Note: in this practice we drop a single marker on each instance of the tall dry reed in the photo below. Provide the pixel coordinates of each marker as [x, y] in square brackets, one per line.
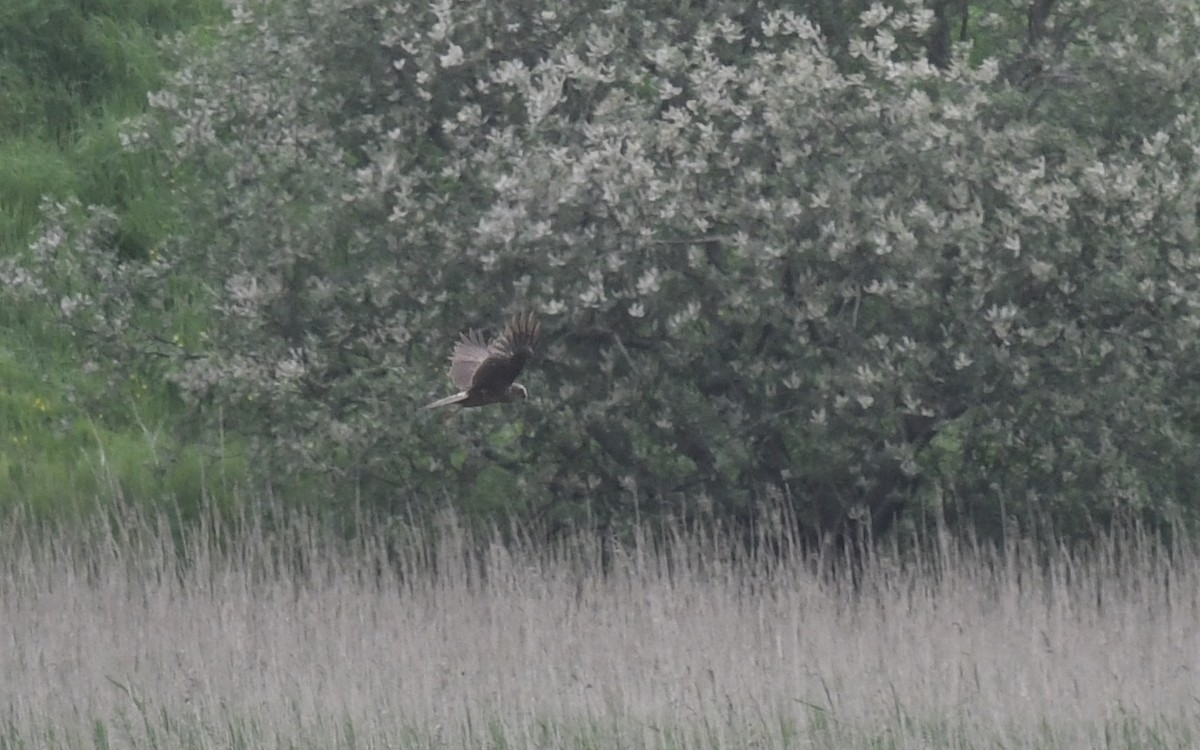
[285, 635]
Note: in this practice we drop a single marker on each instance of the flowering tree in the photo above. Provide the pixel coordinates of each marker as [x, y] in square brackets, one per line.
[766, 262]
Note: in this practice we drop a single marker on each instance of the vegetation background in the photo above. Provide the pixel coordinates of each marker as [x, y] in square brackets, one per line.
[880, 263]
[814, 273]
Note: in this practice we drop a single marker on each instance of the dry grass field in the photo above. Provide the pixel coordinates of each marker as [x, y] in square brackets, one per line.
[290, 638]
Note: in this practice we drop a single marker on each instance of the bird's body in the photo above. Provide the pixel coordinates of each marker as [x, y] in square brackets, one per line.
[485, 373]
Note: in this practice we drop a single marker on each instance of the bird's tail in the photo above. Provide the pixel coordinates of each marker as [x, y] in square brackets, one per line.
[447, 401]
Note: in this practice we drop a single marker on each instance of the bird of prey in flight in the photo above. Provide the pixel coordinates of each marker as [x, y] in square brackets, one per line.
[484, 373]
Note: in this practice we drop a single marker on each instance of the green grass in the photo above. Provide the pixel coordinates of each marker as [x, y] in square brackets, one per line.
[78, 441]
[29, 169]
[243, 633]
[71, 426]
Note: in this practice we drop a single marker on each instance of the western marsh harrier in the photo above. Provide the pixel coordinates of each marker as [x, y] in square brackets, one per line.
[484, 373]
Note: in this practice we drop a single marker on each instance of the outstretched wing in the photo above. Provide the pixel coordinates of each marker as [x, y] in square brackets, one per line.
[469, 353]
[507, 354]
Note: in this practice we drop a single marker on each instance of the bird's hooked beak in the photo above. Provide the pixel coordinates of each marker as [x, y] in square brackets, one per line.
[517, 392]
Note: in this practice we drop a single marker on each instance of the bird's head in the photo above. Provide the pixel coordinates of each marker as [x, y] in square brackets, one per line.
[517, 392]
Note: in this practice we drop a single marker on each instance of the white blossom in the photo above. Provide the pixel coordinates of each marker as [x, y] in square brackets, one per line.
[453, 57]
[650, 281]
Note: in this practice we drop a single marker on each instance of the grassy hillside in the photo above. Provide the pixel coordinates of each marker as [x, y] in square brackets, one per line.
[75, 429]
[289, 637]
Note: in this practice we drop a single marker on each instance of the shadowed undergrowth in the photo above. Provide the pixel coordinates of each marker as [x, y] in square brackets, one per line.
[283, 634]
